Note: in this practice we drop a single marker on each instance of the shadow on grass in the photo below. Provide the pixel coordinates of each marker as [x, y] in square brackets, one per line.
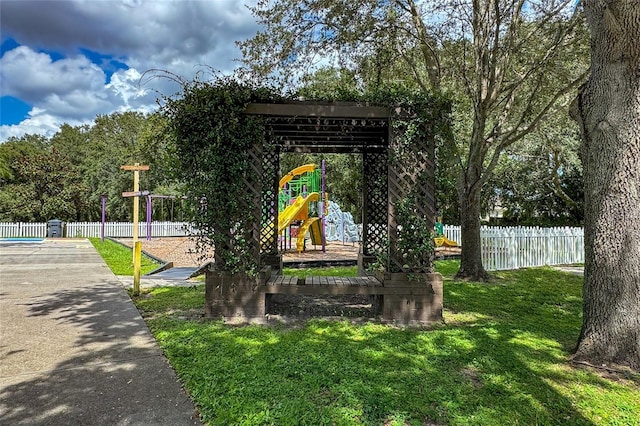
[496, 370]
[542, 301]
[334, 373]
[501, 359]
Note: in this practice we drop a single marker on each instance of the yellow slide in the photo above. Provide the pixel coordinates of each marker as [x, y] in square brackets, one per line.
[299, 210]
[312, 225]
[316, 231]
[292, 212]
[296, 172]
[444, 241]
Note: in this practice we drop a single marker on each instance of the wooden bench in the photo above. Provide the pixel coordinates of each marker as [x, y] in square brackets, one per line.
[312, 285]
[400, 298]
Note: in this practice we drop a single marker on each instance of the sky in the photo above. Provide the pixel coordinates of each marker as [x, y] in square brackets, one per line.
[67, 61]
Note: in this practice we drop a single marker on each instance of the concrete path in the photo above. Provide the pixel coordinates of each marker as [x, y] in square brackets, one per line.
[73, 348]
[177, 273]
[575, 270]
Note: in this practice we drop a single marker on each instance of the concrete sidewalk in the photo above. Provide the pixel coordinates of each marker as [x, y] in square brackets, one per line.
[73, 348]
[149, 281]
[575, 270]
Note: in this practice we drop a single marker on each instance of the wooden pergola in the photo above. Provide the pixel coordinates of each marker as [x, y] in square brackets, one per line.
[392, 171]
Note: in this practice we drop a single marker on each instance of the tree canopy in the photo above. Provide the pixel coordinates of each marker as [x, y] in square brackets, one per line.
[506, 64]
[64, 177]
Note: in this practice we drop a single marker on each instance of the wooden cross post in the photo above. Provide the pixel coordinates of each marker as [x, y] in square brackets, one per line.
[136, 168]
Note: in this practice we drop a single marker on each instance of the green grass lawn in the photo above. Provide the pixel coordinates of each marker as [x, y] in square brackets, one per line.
[120, 258]
[499, 359]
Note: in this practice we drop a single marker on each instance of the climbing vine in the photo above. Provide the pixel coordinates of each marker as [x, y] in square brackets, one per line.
[417, 121]
[213, 138]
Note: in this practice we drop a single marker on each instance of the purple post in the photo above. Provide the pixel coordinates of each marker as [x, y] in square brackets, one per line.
[322, 207]
[104, 208]
[149, 217]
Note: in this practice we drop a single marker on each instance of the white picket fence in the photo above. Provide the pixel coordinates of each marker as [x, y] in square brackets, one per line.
[93, 229]
[521, 247]
[452, 232]
[125, 229]
[22, 230]
[502, 247]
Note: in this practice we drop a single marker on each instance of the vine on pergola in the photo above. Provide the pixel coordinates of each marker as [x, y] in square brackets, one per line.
[213, 142]
[212, 137]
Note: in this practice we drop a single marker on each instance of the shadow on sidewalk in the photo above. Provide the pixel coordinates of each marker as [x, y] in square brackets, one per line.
[111, 373]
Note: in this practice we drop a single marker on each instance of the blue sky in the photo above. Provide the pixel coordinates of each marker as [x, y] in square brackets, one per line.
[66, 61]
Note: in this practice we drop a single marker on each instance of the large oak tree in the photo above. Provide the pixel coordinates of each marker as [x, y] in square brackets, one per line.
[608, 110]
[504, 61]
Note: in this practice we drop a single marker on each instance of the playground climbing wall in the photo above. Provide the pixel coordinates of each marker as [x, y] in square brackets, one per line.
[339, 225]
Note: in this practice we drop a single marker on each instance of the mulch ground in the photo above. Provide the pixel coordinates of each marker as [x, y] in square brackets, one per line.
[182, 251]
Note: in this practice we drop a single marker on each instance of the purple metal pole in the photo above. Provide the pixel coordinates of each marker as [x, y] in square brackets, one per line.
[149, 217]
[322, 207]
[104, 208]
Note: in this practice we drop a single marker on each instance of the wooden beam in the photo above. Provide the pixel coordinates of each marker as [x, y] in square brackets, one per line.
[135, 167]
[329, 149]
[302, 109]
[135, 194]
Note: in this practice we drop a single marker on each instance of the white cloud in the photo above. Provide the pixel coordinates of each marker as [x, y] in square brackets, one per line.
[175, 36]
[39, 122]
[147, 35]
[70, 90]
[28, 75]
[125, 84]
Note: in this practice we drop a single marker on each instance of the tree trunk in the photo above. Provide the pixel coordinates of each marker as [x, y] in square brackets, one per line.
[469, 195]
[608, 110]
[471, 267]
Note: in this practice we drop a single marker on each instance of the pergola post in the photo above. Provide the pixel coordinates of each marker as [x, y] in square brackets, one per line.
[269, 255]
[375, 194]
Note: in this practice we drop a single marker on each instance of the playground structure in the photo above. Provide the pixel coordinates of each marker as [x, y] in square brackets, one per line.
[304, 207]
[340, 226]
[301, 201]
[441, 239]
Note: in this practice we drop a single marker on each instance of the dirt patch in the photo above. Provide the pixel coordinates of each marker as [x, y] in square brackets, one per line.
[283, 306]
[448, 252]
[179, 250]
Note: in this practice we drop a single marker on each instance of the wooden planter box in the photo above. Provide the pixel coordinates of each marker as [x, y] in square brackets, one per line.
[235, 297]
[404, 299]
[411, 298]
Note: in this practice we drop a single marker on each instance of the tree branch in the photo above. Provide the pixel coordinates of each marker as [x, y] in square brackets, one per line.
[429, 54]
[556, 182]
[514, 135]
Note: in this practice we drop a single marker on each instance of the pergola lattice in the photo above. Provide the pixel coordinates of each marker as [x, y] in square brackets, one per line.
[392, 171]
